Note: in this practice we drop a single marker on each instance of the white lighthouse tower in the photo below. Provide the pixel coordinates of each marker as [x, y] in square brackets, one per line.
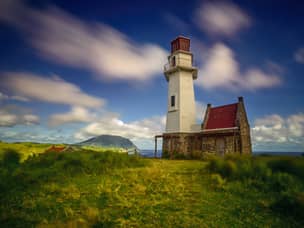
[180, 73]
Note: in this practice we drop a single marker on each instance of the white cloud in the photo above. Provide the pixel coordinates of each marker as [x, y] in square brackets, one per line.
[221, 18]
[76, 115]
[295, 125]
[141, 132]
[63, 38]
[277, 130]
[35, 134]
[16, 98]
[14, 115]
[221, 70]
[299, 55]
[54, 90]
[3, 96]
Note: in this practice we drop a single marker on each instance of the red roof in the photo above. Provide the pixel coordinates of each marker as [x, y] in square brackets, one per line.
[222, 117]
[55, 149]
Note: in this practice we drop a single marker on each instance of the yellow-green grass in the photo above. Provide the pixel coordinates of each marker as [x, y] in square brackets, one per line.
[26, 149]
[133, 192]
[103, 149]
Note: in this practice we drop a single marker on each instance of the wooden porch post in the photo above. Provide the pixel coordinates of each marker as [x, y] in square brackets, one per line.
[155, 151]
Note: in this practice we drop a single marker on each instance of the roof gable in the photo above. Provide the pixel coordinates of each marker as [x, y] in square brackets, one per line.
[222, 117]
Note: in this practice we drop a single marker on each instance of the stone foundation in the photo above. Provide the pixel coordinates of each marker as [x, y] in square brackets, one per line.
[194, 145]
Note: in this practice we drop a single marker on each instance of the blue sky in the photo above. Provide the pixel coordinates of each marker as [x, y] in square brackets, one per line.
[72, 71]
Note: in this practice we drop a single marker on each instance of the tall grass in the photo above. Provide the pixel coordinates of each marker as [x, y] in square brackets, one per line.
[43, 168]
[281, 177]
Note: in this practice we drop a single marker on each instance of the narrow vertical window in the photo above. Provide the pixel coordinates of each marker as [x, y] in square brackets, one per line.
[173, 62]
[172, 101]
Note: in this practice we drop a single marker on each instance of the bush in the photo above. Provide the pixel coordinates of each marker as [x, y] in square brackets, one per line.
[288, 165]
[215, 165]
[217, 181]
[11, 158]
[291, 205]
[261, 170]
[281, 182]
[229, 169]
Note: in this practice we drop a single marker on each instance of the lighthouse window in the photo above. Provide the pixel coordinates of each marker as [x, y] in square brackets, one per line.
[173, 61]
[172, 101]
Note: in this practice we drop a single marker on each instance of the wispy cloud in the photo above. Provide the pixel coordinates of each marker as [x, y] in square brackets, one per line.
[14, 115]
[14, 97]
[54, 90]
[299, 55]
[220, 69]
[65, 39]
[278, 130]
[221, 18]
[75, 115]
[141, 131]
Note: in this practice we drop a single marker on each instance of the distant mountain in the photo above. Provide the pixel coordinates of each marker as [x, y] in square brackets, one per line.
[108, 141]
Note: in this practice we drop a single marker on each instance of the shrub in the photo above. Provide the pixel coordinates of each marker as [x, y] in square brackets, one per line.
[215, 165]
[11, 158]
[291, 205]
[288, 165]
[281, 182]
[217, 181]
[261, 171]
[229, 169]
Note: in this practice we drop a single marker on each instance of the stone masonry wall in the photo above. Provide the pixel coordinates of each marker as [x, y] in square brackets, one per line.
[244, 129]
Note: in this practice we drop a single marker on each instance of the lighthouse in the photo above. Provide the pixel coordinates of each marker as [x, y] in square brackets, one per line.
[180, 73]
[224, 129]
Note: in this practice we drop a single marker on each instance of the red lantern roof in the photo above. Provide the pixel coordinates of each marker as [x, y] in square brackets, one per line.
[180, 43]
[222, 117]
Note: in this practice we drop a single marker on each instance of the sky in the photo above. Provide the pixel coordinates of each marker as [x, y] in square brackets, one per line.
[71, 70]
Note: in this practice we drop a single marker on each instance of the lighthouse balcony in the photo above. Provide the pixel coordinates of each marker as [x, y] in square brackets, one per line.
[170, 69]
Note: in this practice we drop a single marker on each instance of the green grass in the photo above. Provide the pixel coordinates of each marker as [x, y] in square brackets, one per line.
[92, 189]
[26, 149]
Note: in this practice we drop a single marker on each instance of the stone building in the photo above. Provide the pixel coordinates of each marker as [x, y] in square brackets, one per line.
[225, 129]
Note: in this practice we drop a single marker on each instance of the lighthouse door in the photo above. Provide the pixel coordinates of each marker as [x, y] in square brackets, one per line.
[220, 146]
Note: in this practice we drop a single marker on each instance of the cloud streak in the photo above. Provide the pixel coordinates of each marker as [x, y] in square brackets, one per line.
[99, 48]
[278, 130]
[221, 18]
[220, 69]
[14, 115]
[75, 115]
[53, 90]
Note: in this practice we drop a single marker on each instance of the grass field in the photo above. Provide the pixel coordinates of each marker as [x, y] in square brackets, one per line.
[25, 148]
[93, 189]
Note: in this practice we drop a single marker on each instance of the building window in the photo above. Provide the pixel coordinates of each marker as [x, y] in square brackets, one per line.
[173, 61]
[172, 101]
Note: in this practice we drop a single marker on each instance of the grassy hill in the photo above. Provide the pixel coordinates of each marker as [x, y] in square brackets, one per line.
[88, 188]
